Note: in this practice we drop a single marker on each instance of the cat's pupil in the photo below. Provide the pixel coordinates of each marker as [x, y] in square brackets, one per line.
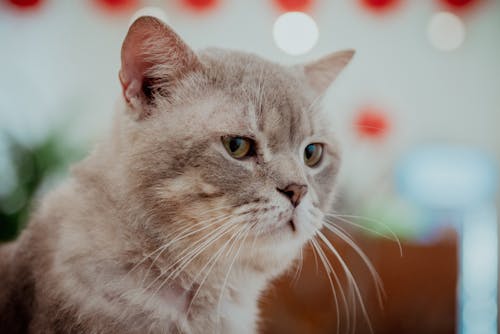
[235, 144]
[310, 151]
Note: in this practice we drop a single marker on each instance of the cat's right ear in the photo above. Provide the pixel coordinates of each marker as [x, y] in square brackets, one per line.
[322, 72]
[153, 59]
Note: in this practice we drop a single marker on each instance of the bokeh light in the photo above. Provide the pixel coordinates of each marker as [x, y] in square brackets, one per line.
[459, 4]
[379, 6]
[200, 5]
[294, 5]
[295, 33]
[371, 122]
[25, 4]
[117, 6]
[446, 31]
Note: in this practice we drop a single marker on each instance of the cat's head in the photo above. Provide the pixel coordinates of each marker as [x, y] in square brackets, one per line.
[225, 147]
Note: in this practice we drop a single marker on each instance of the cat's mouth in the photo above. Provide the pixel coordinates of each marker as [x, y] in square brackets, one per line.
[291, 223]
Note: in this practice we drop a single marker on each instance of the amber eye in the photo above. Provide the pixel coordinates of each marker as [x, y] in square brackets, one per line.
[238, 147]
[312, 154]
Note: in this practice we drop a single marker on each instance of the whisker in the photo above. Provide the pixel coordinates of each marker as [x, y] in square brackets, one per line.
[188, 255]
[255, 237]
[192, 254]
[328, 269]
[180, 231]
[245, 233]
[394, 238]
[164, 281]
[183, 233]
[350, 320]
[351, 278]
[206, 224]
[378, 281]
[220, 208]
[352, 297]
[299, 268]
[213, 260]
[315, 256]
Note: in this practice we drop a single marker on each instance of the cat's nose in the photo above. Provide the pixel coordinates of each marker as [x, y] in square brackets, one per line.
[295, 192]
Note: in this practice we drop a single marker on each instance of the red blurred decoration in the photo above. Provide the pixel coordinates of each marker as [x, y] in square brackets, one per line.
[372, 123]
[459, 4]
[379, 5]
[294, 5]
[117, 5]
[25, 4]
[200, 5]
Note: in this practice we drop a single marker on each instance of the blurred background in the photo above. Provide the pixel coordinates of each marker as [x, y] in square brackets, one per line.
[417, 114]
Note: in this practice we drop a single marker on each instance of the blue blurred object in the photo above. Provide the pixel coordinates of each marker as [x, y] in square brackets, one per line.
[462, 182]
[479, 271]
[447, 177]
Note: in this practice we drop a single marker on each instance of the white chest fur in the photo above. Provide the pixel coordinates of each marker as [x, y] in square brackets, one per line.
[235, 311]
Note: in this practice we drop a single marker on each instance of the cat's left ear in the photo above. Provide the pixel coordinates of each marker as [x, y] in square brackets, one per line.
[322, 72]
[153, 59]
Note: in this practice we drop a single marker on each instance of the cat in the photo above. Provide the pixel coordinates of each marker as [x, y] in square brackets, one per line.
[218, 168]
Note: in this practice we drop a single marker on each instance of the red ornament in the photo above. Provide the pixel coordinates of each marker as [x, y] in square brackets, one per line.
[371, 123]
[117, 5]
[200, 5]
[379, 5]
[294, 5]
[25, 4]
[458, 4]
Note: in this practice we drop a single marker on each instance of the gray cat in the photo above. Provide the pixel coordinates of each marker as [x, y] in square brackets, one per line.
[218, 169]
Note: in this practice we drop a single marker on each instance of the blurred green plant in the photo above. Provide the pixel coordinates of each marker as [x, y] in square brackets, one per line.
[34, 168]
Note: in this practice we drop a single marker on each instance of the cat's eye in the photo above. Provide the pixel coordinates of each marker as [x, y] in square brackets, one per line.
[238, 147]
[312, 154]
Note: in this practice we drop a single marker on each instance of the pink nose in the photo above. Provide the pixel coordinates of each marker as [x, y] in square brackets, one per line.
[294, 192]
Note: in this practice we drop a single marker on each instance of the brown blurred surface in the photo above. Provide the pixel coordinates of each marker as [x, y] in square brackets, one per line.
[420, 287]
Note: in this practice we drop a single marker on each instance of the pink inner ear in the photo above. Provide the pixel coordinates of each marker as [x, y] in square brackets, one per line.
[152, 48]
[131, 78]
[134, 65]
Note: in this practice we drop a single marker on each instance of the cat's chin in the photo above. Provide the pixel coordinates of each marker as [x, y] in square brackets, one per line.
[278, 247]
[276, 261]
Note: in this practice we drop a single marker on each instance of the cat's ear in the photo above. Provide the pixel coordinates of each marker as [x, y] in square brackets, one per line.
[322, 72]
[153, 58]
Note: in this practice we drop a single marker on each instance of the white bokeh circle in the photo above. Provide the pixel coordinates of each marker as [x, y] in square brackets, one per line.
[295, 33]
[150, 11]
[446, 31]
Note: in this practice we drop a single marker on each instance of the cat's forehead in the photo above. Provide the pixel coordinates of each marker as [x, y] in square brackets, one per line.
[270, 98]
